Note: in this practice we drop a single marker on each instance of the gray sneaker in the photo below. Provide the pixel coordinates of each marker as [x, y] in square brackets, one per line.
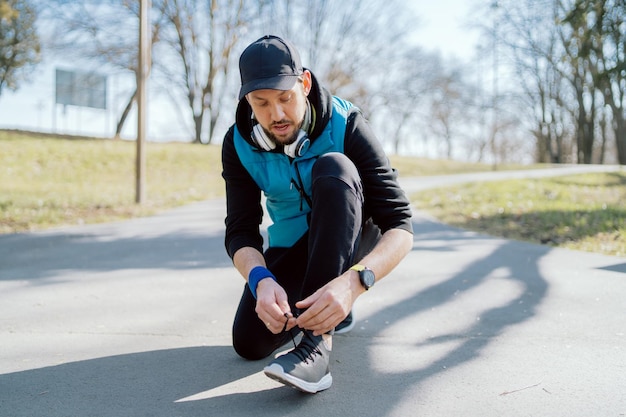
[306, 367]
[346, 324]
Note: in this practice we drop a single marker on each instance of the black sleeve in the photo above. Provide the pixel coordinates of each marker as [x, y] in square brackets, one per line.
[244, 213]
[385, 201]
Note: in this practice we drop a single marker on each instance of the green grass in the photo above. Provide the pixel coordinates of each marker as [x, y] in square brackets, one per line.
[50, 182]
[583, 212]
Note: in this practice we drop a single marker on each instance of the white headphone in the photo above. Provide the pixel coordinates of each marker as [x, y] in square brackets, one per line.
[293, 150]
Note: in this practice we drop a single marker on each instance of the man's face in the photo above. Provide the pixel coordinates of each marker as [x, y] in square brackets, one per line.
[281, 113]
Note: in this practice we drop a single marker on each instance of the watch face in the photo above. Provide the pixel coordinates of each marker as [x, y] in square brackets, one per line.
[368, 278]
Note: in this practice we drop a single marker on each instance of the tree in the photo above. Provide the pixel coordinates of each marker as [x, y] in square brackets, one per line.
[568, 57]
[609, 47]
[202, 36]
[450, 101]
[401, 103]
[19, 42]
[596, 44]
[530, 37]
[578, 38]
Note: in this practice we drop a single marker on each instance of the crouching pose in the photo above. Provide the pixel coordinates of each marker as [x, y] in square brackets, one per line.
[339, 219]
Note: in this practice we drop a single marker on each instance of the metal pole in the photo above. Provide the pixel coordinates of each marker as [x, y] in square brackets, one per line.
[494, 133]
[143, 71]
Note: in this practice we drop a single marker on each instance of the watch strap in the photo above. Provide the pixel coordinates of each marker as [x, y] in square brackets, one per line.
[358, 267]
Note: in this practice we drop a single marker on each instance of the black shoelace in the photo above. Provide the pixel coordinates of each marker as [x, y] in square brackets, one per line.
[307, 349]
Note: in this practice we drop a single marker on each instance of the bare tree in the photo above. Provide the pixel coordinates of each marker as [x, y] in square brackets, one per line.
[581, 66]
[531, 36]
[405, 97]
[556, 49]
[451, 100]
[608, 45]
[203, 36]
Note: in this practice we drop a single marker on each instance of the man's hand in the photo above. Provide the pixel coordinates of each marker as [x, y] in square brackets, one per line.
[326, 307]
[272, 306]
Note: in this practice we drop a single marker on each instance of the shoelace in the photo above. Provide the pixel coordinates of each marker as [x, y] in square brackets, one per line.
[310, 349]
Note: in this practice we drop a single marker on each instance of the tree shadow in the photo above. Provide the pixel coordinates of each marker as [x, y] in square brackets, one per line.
[551, 227]
[620, 267]
[520, 263]
[175, 242]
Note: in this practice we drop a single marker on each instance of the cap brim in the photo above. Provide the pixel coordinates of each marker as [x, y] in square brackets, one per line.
[281, 82]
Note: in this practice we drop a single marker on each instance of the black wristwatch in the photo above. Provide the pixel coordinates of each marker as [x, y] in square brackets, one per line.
[366, 276]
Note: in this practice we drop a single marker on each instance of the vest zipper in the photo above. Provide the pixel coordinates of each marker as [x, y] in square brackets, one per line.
[300, 187]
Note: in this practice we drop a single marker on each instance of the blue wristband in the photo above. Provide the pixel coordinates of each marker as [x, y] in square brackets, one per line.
[257, 274]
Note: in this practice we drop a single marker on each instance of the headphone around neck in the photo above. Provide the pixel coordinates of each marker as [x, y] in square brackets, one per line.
[293, 150]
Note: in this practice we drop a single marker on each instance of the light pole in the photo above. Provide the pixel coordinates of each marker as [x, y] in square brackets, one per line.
[494, 132]
[143, 71]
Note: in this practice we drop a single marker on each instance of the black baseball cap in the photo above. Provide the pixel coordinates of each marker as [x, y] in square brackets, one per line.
[269, 63]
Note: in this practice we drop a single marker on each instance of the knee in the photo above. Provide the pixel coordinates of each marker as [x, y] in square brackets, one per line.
[253, 346]
[336, 165]
[248, 349]
[248, 352]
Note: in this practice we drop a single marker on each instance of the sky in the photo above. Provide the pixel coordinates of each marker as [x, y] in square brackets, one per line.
[442, 27]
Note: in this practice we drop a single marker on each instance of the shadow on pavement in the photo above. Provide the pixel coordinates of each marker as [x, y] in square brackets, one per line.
[141, 384]
[156, 383]
[41, 256]
[453, 348]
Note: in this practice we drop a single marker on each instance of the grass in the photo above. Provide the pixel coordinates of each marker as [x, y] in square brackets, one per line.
[46, 182]
[584, 212]
[49, 182]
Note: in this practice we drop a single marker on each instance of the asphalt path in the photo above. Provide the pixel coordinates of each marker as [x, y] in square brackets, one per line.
[133, 319]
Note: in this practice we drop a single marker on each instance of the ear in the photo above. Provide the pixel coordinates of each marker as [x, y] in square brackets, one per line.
[307, 82]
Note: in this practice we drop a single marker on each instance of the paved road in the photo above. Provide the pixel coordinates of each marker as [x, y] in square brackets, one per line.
[133, 319]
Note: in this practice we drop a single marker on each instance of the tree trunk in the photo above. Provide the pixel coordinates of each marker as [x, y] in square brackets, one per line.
[197, 121]
[620, 137]
[619, 125]
[124, 115]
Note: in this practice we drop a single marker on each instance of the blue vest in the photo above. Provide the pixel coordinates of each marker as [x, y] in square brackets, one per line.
[276, 175]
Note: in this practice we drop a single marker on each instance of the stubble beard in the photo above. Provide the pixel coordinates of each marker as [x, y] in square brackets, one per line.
[289, 140]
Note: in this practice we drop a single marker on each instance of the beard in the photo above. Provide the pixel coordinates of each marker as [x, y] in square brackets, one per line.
[284, 141]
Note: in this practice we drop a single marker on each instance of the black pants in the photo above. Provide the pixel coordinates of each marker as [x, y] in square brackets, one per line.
[337, 237]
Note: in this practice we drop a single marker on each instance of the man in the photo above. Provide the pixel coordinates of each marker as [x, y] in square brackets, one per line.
[340, 221]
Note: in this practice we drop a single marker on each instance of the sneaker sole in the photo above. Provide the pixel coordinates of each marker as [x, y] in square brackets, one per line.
[276, 372]
[346, 329]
